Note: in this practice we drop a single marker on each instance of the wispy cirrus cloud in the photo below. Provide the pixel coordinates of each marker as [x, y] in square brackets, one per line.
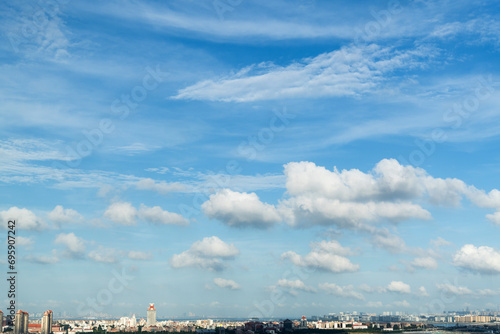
[351, 71]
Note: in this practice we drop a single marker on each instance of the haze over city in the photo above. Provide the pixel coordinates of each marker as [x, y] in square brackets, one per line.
[244, 159]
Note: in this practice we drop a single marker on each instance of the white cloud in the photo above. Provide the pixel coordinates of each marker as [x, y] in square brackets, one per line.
[159, 216]
[483, 199]
[374, 304]
[398, 286]
[38, 149]
[440, 242]
[122, 213]
[494, 218]
[138, 255]
[24, 218]
[226, 283]
[366, 288]
[240, 209]
[488, 292]
[422, 292]
[483, 259]
[454, 289]
[104, 255]
[295, 285]
[324, 256]
[389, 193]
[75, 246]
[341, 291]
[351, 71]
[209, 253]
[42, 259]
[402, 303]
[351, 198]
[332, 246]
[23, 241]
[389, 242]
[134, 149]
[161, 187]
[425, 262]
[64, 216]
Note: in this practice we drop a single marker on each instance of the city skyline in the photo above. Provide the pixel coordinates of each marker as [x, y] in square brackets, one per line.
[250, 158]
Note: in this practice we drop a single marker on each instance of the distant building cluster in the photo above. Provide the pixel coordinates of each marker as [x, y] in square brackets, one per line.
[385, 322]
[476, 318]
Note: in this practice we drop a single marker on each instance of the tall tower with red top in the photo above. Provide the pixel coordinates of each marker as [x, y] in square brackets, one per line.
[151, 315]
[303, 322]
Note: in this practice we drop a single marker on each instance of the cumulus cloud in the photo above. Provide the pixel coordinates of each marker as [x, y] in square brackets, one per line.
[209, 253]
[104, 255]
[125, 214]
[157, 215]
[422, 291]
[75, 246]
[374, 304]
[402, 303]
[25, 219]
[425, 262]
[483, 199]
[494, 218]
[226, 283]
[454, 289]
[293, 286]
[23, 241]
[328, 256]
[160, 186]
[42, 259]
[341, 291]
[122, 213]
[351, 199]
[399, 287]
[370, 289]
[332, 246]
[439, 242]
[483, 259]
[138, 255]
[61, 215]
[390, 242]
[240, 209]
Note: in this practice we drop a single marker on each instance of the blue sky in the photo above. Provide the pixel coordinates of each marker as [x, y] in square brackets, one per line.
[251, 158]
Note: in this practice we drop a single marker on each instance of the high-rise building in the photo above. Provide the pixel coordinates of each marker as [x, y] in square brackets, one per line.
[47, 322]
[21, 322]
[25, 322]
[151, 315]
[1, 321]
[303, 322]
[133, 321]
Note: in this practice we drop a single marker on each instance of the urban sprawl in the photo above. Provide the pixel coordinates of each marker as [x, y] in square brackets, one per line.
[464, 321]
